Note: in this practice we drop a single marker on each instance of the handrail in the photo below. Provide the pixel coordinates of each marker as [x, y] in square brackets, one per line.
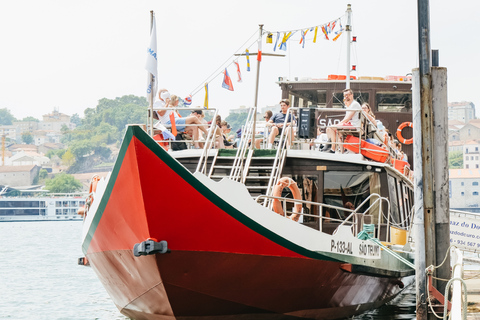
[318, 204]
[280, 155]
[235, 173]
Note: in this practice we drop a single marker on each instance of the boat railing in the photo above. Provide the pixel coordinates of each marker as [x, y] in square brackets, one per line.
[210, 140]
[351, 220]
[378, 203]
[238, 171]
[279, 161]
[285, 201]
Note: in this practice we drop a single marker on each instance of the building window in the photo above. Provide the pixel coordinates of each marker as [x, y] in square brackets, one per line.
[475, 193]
[463, 193]
[466, 150]
[461, 183]
[466, 158]
[476, 166]
[476, 148]
[466, 167]
[475, 183]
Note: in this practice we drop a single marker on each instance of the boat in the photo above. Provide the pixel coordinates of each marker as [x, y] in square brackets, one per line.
[283, 233]
[46, 207]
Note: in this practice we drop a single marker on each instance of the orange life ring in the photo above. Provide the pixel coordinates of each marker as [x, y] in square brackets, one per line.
[399, 133]
[277, 192]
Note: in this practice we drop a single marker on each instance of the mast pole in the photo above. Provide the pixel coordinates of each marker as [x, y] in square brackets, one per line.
[259, 59]
[152, 81]
[348, 29]
[425, 186]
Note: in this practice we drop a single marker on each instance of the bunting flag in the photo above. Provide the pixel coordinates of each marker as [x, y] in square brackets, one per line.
[205, 103]
[337, 36]
[238, 72]
[269, 38]
[276, 41]
[248, 59]
[302, 40]
[151, 64]
[227, 81]
[286, 36]
[315, 36]
[174, 125]
[188, 100]
[325, 32]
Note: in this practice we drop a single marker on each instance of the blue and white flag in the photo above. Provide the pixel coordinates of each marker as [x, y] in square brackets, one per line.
[151, 64]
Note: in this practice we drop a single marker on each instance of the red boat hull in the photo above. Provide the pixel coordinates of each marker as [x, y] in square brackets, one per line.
[222, 264]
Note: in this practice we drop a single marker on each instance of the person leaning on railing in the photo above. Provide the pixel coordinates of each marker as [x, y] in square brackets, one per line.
[352, 118]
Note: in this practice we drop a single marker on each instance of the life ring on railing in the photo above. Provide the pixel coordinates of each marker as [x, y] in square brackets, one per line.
[399, 133]
[88, 202]
[277, 192]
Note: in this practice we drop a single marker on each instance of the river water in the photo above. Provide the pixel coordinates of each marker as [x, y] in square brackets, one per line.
[40, 277]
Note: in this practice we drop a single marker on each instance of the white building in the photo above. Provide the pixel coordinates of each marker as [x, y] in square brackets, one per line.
[471, 155]
[465, 189]
[462, 111]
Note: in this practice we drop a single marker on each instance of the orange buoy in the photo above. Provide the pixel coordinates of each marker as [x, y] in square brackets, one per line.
[277, 192]
[399, 133]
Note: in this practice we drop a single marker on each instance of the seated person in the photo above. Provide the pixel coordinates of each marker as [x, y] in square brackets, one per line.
[277, 122]
[352, 118]
[227, 138]
[191, 124]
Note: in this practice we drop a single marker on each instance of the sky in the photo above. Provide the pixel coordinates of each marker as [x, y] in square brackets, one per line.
[67, 55]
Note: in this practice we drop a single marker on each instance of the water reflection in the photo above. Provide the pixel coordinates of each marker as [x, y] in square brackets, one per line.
[402, 307]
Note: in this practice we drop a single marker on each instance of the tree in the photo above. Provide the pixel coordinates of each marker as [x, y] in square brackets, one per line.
[63, 183]
[75, 119]
[43, 174]
[6, 118]
[81, 148]
[455, 160]
[68, 158]
[30, 118]
[237, 120]
[27, 137]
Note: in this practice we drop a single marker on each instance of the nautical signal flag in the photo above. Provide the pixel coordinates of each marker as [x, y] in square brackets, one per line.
[239, 73]
[227, 81]
[247, 53]
[205, 103]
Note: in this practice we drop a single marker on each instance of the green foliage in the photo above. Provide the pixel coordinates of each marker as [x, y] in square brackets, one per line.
[27, 137]
[63, 183]
[75, 119]
[102, 151]
[59, 153]
[43, 174]
[30, 118]
[237, 120]
[6, 118]
[68, 158]
[104, 124]
[455, 160]
[81, 148]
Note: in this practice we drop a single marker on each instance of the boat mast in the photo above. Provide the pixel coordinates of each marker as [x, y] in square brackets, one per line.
[151, 81]
[348, 29]
[259, 59]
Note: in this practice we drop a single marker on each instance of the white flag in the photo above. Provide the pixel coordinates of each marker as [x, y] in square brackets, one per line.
[151, 64]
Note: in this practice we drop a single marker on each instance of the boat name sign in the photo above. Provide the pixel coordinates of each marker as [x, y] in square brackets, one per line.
[343, 242]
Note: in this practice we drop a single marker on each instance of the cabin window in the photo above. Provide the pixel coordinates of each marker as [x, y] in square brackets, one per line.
[394, 203]
[475, 183]
[341, 187]
[394, 102]
[308, 186]
[360, 97]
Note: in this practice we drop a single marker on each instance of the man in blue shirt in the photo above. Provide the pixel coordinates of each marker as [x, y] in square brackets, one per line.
[277, 122]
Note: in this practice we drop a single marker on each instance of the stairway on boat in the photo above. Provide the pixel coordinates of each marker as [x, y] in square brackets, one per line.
[258, 168]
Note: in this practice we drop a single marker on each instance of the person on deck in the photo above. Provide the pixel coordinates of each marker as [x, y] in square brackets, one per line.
[352, 118]
[277, 122]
